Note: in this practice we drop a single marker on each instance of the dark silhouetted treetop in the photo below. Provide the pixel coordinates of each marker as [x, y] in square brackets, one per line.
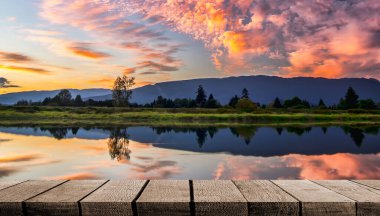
[63, 98]
[277, 103]
[296, 103]
[78, 101]
[212, 102]
[245, 94]
[201, 96]
[321, 104]
[233, 101]
[351, 98]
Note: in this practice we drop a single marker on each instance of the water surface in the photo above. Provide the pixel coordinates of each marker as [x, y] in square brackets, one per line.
[190, 153]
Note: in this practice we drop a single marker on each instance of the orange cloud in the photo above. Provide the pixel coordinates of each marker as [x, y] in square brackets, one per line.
[25, 69]
[103, 80]
[128, 71]
[310, 38]
[19, 158]
[87, 52]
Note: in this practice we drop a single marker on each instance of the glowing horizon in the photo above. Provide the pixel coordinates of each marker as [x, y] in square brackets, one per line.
[53, 44]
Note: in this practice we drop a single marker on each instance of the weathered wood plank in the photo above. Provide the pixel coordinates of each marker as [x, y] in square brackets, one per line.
[6, 184]
[113, 198]
[62, 200]
[368, 201]
[165, 197]
[317, 200]
[11, 198]
[220, 197]
[370, 183]
[266, 198]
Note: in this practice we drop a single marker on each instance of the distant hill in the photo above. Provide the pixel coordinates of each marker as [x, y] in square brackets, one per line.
[262, 89]
[35, 96]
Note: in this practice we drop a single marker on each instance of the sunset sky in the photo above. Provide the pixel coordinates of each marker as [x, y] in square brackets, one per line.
[52, 44]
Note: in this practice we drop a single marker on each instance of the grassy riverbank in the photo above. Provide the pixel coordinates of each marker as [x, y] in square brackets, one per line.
[128, 116]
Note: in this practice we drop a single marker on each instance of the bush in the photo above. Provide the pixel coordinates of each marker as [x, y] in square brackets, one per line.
[367, 104]
[246, 105]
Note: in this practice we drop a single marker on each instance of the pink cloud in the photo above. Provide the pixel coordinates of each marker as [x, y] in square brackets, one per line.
[116, 28]
[313, 38]
[294, 166]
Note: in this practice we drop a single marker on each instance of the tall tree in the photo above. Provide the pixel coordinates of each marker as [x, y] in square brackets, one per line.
[277, 103]
[201, 96]
[78, 101]
[212, 102]
[351, 98]
[121, 92]
[321, 104]
[245, 94]
[63, 98]
[234, 100]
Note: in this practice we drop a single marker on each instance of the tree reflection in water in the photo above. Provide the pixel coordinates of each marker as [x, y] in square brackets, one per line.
[247, 133]
[118, 144]
[200, 132]
[118, 141]
[58, 133]
[356, 135]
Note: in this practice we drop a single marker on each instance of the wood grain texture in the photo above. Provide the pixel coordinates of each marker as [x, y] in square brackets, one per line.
[113, 198]
[368, 202]
[6, 184]
[266, 198]
[370, 183]
[317, 200]
[165, 197]
[62, 200]
[11, 198]
[220, 197]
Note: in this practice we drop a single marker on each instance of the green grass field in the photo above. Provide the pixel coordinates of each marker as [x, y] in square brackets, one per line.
[129, 116]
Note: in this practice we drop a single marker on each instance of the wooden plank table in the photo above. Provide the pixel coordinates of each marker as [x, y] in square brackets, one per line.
[317, 200]
[367, 200]
[62, 200]
[114, 198]
[165, 197]
[12, 197]
[183, 197]
[6, 184]
[370, 183]
[266, 198]
[220, 197]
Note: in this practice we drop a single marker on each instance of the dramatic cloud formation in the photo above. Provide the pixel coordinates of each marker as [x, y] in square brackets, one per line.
[127, 32]
[284, 37]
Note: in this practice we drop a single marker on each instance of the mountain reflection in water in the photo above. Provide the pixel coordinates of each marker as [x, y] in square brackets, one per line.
[190, 153]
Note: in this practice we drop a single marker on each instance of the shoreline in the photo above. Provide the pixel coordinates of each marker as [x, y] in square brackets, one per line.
[93, 116]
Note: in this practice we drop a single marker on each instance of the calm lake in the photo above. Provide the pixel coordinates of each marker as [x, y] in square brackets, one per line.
[190, 153]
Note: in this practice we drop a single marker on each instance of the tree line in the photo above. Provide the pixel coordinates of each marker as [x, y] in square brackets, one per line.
[122, 93]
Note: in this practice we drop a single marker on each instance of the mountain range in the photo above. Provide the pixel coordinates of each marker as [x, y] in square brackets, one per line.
[262, 89]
